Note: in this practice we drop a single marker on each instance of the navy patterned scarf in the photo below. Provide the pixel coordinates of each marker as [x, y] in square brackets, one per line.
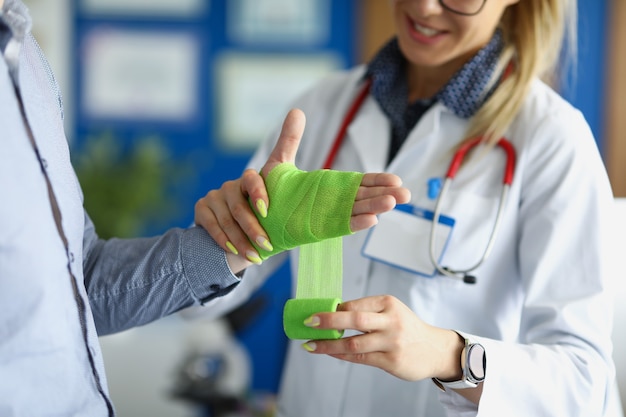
[464, 94]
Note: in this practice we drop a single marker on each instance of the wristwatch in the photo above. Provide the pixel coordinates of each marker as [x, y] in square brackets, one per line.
[473, 366]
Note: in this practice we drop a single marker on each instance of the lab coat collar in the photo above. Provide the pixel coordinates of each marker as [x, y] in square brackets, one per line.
[370, 133]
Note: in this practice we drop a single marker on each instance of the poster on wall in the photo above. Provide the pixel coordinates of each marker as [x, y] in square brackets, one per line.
[140, 75]
[262, 22]
[254, 92]
[170, 8]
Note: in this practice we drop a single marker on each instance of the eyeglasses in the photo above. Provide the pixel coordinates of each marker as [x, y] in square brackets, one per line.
[463, 7]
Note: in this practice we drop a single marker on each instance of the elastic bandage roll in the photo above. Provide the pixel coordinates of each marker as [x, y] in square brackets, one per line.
[297, 310]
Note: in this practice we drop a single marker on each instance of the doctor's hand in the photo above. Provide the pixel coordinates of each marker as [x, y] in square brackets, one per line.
[393, 339]
[227, 216]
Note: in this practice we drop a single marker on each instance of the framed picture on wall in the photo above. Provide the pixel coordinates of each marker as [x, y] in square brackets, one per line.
[254, 92]
[137, 75]
[283, 22]
[144, 7]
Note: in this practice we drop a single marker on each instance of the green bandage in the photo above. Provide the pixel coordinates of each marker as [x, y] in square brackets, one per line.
[307, 207]
[299, 309]
[319, 289]
[311, 210]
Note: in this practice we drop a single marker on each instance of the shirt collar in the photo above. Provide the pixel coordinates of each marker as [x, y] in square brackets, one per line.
[14, 14]
[464, 94]
[15, 23]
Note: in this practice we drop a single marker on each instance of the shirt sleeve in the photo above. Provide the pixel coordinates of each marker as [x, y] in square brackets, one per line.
[131, 282]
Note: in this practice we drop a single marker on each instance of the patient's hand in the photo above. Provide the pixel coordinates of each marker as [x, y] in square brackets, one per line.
[227, 216]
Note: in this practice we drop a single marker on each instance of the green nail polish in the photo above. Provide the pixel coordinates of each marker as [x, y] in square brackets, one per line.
[232, 248]
[261, 207]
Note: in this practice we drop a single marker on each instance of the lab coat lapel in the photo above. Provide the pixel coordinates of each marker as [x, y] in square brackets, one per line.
[439, 129]
[369, 133]
[420, 142]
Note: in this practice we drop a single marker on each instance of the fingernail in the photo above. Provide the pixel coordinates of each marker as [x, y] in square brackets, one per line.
[253, 257]
[261, 207]
[309, 346]
[232, 248]
[312, 321]
[261, 241]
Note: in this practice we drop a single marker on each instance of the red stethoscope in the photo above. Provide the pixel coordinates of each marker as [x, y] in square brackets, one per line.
[455, 164]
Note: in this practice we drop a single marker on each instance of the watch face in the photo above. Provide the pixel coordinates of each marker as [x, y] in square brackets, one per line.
[476, 358]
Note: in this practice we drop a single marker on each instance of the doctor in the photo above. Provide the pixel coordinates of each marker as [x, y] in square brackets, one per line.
[531, 337]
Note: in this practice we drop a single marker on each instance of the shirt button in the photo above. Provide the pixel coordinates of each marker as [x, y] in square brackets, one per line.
[44, 163]
[71, 257]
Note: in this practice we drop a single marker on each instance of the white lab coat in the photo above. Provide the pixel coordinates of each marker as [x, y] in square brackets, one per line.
[541, 306]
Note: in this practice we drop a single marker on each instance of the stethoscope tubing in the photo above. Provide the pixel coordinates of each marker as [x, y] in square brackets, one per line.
[455, 164]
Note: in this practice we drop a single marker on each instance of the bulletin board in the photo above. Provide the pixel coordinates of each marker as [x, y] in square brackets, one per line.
[210, 78]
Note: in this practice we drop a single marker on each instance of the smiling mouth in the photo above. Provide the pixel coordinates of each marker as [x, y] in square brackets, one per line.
[426, 31]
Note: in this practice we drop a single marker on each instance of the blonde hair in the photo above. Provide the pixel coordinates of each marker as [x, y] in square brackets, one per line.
[534, 33]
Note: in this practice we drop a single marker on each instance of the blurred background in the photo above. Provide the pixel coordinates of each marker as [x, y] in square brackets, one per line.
[165, 100]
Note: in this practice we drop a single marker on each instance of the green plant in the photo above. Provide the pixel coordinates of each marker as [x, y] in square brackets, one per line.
[128, 191]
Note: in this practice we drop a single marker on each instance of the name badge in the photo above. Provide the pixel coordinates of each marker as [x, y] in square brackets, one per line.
[402, 239]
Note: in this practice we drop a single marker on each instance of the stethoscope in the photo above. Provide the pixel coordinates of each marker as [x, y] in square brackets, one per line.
[455, 164]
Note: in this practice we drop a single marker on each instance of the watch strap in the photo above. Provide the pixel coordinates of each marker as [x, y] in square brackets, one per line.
[460, 384]
[467, 380]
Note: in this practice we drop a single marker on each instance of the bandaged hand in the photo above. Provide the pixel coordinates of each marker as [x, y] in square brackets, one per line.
[307, 207]
[231, 214]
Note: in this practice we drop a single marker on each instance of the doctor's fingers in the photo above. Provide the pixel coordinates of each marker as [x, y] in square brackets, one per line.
[372, 303]
[253, 186]
[230, 223]
[346, 347]
[381, 350]
[395, 364]
[366, 348]
[288, 141]
[363, 321]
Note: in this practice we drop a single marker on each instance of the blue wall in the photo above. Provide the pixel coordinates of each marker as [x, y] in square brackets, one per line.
[584, 86]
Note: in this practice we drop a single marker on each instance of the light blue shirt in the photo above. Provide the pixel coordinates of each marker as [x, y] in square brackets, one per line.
[60, 285]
